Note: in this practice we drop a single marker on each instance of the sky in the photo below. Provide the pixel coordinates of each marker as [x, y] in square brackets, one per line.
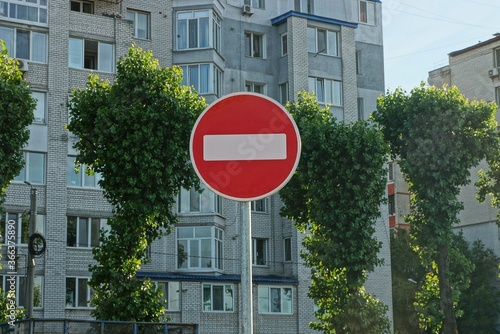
[419, 35]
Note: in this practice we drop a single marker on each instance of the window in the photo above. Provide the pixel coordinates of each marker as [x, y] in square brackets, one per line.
[141, 23]
[497, 92]
[20, 222]
[80, 177]
[205, 78]
[92, 55]
[259, 252]
[84, 232]
[218, 297]
[359, 68]
[392, 205]
[322, 41]
[34, 168]
[306, 6]
[284, 44]
[367, 12]
[327, 91]
[361, 108]
[497, 58]
[40, 109]
[287, 243]
[194, 27]
[33, 11]
[6, 281]
[170, 295]
[191, 201]
[78, 293]
[390, 166]
[82, 6]
[255, 3]
[254, 45]
[255, 87]
[25, 44]
[275, 300]
[199, 248]
[283, 98]
[259, 205]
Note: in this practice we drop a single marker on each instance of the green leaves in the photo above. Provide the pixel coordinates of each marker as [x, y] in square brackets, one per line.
[135, 132]
[335, 196]
[16, 113]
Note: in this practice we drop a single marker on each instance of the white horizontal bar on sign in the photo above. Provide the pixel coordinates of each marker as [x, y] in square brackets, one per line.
[262, 146]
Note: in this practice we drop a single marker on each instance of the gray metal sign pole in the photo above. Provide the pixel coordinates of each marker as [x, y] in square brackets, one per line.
[246, 268]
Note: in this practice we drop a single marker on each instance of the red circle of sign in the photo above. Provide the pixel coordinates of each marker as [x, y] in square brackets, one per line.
[245, 114]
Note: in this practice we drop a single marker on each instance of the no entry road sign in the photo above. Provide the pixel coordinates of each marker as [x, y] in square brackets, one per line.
[245, 146]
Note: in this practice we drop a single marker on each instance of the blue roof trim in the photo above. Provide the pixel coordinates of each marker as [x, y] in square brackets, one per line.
[170, 276]
[283, 17]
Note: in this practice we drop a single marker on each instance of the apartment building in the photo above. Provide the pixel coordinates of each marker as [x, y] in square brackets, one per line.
[274, 47]
[475, 71]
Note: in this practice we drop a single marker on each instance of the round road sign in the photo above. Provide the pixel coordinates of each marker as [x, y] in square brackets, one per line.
[245, 146]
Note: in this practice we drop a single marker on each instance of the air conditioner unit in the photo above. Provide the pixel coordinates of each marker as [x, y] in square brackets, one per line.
[246, 10]
[493, 72]
[22, 65]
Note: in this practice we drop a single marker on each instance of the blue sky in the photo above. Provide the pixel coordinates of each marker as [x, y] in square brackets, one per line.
[418, 35]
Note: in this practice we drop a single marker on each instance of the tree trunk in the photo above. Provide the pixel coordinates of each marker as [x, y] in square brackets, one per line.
[446, 298]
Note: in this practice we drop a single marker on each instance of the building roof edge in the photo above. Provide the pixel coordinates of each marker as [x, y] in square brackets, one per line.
[283, 17]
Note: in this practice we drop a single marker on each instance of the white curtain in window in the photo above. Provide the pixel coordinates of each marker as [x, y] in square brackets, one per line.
[39, 47]
[75, 53]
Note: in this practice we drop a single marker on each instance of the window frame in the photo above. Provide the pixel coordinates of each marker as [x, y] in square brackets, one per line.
[330, 39]
[135, 21]
[287, 249]
[269, 307]
[260, 205]
[91, 232]
[496, 58]
[391, 204]
[21, 224]
[197, 244]
[40, 111]
[251, 50]
[26, 173]
[214, 201]
[81, 175]
[81, 6]
[366, 12]
[251, 86]
[41, 8]
[336, 95]
[225, 287]
[77, 293]
[283, 93]
[284, 44]
[261, 244]
[306, 6]
[33, 46]
[167, 300]
[84, 55]
[183, 31]
[20, 289]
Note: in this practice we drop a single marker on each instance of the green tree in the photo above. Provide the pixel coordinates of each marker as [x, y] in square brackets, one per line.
[335, 197]
[135, 132]
[16, 113]
[438, 136]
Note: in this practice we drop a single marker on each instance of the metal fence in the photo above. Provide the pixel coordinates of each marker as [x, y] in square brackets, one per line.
[74, 326]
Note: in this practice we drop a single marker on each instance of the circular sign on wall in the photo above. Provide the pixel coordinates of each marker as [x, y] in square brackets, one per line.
[245, 146]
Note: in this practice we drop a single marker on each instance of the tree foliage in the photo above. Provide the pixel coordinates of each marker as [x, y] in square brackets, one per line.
[335, 195]
[135, 132]
[438, 135]
[16, 113]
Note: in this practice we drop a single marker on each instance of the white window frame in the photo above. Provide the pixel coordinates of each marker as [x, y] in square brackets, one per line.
[287, 249]
[227, 297]
[27, 173]
[323, 41]
[171, 291]
[207, 80]
[361, 108]
[255, 3]
[76, 300]
[5, 285]
[283, 90]
[92, 233]
[268, 306]
[306, 6]
[134, 16]
[367, 12]
[83, 6]
[41, 106]
[359, 62]
[259, 246]
[256, 87]
[81, 179]
[254, 41]
[194, 243]
[212, 33]
[19, 228]
[327, 91]
[192, 202]
[77, 54]
[259, 205]
[284, 44]
[37, 40]
[496, 58]
[38, 9]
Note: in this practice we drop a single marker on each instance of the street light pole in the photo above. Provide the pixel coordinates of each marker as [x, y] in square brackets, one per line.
[30, 281]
